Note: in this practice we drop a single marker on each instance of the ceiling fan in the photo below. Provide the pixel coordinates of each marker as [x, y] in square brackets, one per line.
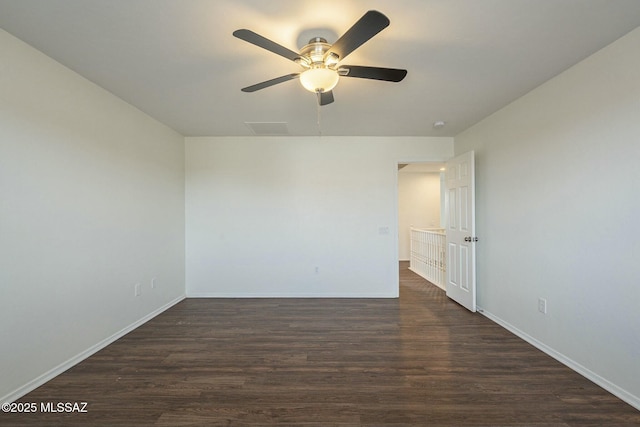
[320, 60]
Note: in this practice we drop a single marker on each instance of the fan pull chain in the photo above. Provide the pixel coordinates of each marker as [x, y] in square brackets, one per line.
[319, 115]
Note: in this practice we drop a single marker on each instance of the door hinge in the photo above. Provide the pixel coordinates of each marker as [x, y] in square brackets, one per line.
[470, 239]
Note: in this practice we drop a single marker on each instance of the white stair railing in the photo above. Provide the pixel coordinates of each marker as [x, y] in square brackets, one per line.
[428, 254]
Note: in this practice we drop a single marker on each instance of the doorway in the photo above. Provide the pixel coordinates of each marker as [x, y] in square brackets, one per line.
[455, 254]
[421, 239]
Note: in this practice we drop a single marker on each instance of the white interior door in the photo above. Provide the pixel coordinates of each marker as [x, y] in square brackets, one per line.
[461, 238]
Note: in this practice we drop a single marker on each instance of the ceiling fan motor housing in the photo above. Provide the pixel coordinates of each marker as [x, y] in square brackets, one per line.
[314, 54]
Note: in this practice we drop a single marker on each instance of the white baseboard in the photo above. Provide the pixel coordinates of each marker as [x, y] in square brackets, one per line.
[289, 296]
[47, 376]
[588, 374]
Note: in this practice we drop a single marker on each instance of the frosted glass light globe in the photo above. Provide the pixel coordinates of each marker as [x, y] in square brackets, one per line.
[319, 79]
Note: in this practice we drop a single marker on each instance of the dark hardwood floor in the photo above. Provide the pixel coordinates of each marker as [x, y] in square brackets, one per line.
[420, 360]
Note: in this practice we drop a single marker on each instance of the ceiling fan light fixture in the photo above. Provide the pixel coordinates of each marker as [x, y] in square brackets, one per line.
[320, 60]
[319, 79]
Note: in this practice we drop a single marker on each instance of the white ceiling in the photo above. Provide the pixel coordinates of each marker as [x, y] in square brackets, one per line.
[178, 61]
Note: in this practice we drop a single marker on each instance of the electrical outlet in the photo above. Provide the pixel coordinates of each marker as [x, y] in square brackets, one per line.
[542, 305]
[153, 283]
[136, 289]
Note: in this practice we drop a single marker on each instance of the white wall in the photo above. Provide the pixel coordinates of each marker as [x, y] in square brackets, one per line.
[558, 208]
[264, 213]
[91, 202]
[419, 206]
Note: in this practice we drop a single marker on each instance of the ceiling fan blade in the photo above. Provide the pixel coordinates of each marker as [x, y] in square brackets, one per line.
[375, 73]
[265, 43]
[271, 82]
[368, 26]
[325, 98]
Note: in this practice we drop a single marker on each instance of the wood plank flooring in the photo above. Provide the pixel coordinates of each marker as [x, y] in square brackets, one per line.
[420, 360]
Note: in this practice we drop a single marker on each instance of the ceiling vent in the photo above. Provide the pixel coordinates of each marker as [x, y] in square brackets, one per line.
[268, 128]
